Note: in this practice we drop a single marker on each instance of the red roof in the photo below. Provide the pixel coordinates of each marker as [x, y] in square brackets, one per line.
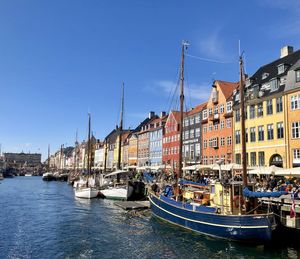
[196, 109]
[227, 87]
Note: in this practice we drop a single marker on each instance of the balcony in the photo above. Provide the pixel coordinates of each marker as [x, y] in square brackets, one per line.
[228, 114]
[203, 121]
[214, 117]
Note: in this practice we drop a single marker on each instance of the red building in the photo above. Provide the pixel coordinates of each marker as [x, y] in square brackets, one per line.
[217, 124]
[171, 137]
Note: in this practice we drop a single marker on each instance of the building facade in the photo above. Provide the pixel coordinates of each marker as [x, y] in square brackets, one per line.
[22, 159]
[192, 128]
[155, 140]
[292, 111]
[266, 111]
[217, 124]
[171, 141]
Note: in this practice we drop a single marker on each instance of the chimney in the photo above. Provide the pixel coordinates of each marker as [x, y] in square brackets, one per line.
[151, 115]
[162, 114]
[285, 51]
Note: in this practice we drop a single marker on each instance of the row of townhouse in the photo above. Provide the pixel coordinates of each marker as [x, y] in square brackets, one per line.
[212, 130]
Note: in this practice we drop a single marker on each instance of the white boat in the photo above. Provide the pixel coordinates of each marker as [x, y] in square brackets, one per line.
[86, 193]
[28, 174]
[116, 193]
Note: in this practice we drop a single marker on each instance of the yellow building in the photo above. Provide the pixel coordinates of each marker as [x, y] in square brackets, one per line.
[267, 132]
[292, 108]
[125, 134]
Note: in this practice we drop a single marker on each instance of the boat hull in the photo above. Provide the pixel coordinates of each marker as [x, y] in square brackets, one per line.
[86, 193]
[244, 228]
[115, 193]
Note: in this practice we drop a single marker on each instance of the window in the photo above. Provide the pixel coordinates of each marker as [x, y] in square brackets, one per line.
[229, 107]
[211, 159]
[222, 140]
[204, 114]
[186, 122]
[205, 160]
[192, 132]
[261, 158]
[237, 137]
[238, 159]
[279, 104]
[261, 134]
[210, 127]
[296, 129]
[197, 118]
[204, 129]
[297, 76]
[280, 69]
[197, 151]
[237, 115]
[296, 153]
[252, 134]
[246, 135]
[274, 85]
[222, 124]
[229, 141]
[191, 120]
[228, 123]
[222, 108]
[187, 151]
[252, 111]
[210, 111]
[215, 142]
[205, 143]
[269, 107]
[253, 158]
[197, 132]
[192, 148]
[270, 131]
[295, 102]
[186, 134]
[280, 130]
[215, 126]
[260, 110]
[216, 110]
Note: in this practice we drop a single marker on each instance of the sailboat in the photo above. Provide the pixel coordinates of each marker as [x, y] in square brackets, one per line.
[216, 210]
[87, 191]
[118, 191]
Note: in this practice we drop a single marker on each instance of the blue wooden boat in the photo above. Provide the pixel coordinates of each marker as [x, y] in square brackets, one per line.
[254, 228]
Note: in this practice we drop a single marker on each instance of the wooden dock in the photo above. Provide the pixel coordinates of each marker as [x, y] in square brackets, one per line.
[133, 205]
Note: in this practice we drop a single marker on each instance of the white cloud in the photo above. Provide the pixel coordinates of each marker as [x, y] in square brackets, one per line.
[212, 46]
[194, 91]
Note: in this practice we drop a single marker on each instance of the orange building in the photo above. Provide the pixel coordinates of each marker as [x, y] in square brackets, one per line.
[217, 124]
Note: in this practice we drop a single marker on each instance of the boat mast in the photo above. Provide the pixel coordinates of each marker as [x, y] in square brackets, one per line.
[184, 46]
[75, 154]
[48, 157]
[105, 155]
[244, 159]
[89, 146]
[120, 131]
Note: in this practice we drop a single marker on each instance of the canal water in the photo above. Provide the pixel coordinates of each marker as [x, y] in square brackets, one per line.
[44, 220]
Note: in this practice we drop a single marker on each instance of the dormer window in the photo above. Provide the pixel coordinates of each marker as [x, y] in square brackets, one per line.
[297, 76]
[281, 69]
[264, 76]
[248, 82]
[274, 85]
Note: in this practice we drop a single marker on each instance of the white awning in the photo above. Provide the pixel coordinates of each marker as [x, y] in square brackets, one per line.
[267, 170]
[288, 172]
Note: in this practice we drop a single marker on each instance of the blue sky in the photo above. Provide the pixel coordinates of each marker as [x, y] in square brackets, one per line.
[61, 59]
